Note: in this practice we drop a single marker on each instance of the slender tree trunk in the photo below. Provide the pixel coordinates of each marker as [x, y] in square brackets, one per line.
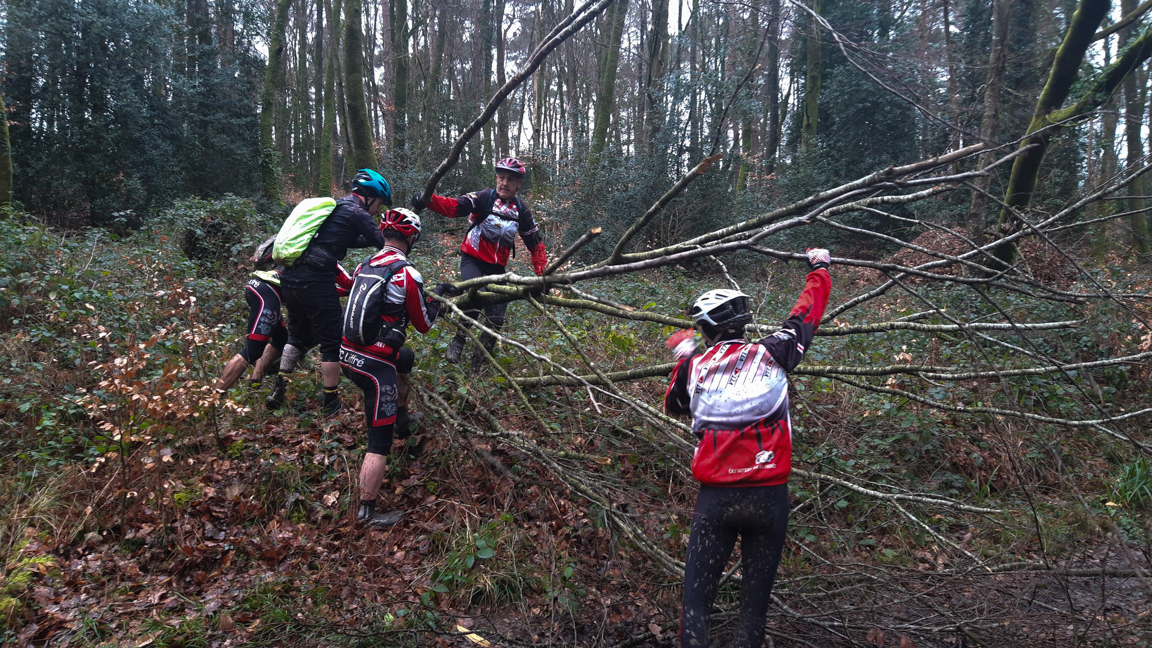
[328, 128]
[772, 89]
[269, 160]
[319, 86]
[5, 158]
[359, 126]
[502, 113]
[812, 81]
[614, 28]
[484, 83]
[978, 207]
[657, 64]
[399, 32]
[1133, 121]
[303, 111]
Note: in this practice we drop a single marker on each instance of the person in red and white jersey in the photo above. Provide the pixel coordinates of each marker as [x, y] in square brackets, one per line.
[737, 395]
[495, 217]
[267, 334]
[386, 296]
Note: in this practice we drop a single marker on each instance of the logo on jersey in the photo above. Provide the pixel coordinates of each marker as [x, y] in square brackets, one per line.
[765, 456]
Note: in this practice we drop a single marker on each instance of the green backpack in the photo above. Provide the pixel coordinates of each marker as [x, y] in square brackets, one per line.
[299, 228]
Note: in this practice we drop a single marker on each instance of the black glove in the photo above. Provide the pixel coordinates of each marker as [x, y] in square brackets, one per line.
[446, 288]
[819, 258]
[418, 204]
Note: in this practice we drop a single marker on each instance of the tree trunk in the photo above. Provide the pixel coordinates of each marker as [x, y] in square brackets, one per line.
[657, 64]
[502, 113]
[327, 130]
[978, 207]
[1026, 167]
[5, 158]
[359, 127]
[614, 28]
[1133, 121]
[269, 160]
[303, 102]
[399, 32]
[772, 88]
[484, 82]
[812, 81]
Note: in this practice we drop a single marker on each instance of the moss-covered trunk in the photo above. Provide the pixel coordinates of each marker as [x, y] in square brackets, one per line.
[1133, 121]
[399, 33]
[273, 80]
[1026, 168]
[326, 131]
[812, 81]
[5, 158]
[610, 64]
[359, 128]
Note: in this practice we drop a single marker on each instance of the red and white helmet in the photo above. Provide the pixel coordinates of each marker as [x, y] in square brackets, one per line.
[511, 165]
[402, 221]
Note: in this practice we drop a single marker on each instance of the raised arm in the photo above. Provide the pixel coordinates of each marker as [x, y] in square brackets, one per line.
[788, 345]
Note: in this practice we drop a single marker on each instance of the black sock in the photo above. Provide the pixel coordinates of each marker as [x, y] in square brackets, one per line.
[331, 396]
[370, 505]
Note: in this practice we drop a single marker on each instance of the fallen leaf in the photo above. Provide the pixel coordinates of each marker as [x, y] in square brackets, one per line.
[905, 642]
[227, 624]
[876, 636]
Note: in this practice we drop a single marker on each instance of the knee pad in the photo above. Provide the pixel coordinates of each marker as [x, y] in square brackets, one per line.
[290, 358]
[380, 439]
[404, 360]
[252, 350]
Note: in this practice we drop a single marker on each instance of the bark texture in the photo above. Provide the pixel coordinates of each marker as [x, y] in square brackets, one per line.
[812, 82]
[359, 127]
[614, 28]
[273, 81]
[5, 159]
[1048, 114]
[997, 59]
[1133, 120]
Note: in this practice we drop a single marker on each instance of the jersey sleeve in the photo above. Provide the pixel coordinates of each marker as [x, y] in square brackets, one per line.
[421, 309]
[676, 399]
[529, 231]
[451, 207]
[788, 345]
[369, 234]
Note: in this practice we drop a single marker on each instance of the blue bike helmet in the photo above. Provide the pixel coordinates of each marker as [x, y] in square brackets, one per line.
[372, 184]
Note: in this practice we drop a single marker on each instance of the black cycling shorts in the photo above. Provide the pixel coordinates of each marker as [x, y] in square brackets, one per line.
[265, 323]
[314, 317]
[377, 379]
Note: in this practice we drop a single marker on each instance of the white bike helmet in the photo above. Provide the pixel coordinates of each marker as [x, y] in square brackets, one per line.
[721, 309]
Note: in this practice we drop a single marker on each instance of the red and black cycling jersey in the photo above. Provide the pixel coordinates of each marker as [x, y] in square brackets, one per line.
[493, 225]
[404, 303]
[737, 394]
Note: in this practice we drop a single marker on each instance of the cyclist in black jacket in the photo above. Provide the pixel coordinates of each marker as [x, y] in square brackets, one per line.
[314, 310]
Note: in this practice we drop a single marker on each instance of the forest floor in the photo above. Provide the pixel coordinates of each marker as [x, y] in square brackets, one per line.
[219, 524]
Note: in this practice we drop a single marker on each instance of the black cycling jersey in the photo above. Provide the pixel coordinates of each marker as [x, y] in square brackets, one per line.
[348, 226]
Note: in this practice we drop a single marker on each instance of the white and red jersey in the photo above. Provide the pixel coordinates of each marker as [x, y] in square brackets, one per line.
[737, 394]
[401, 303]
[493, 226]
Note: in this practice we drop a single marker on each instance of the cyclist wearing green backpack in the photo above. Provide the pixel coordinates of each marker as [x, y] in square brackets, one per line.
[314, 310]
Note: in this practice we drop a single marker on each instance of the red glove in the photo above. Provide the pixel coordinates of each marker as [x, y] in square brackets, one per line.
[539, 259]
[343, 281]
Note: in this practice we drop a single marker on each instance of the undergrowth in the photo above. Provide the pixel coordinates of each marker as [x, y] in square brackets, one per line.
[198, 519]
